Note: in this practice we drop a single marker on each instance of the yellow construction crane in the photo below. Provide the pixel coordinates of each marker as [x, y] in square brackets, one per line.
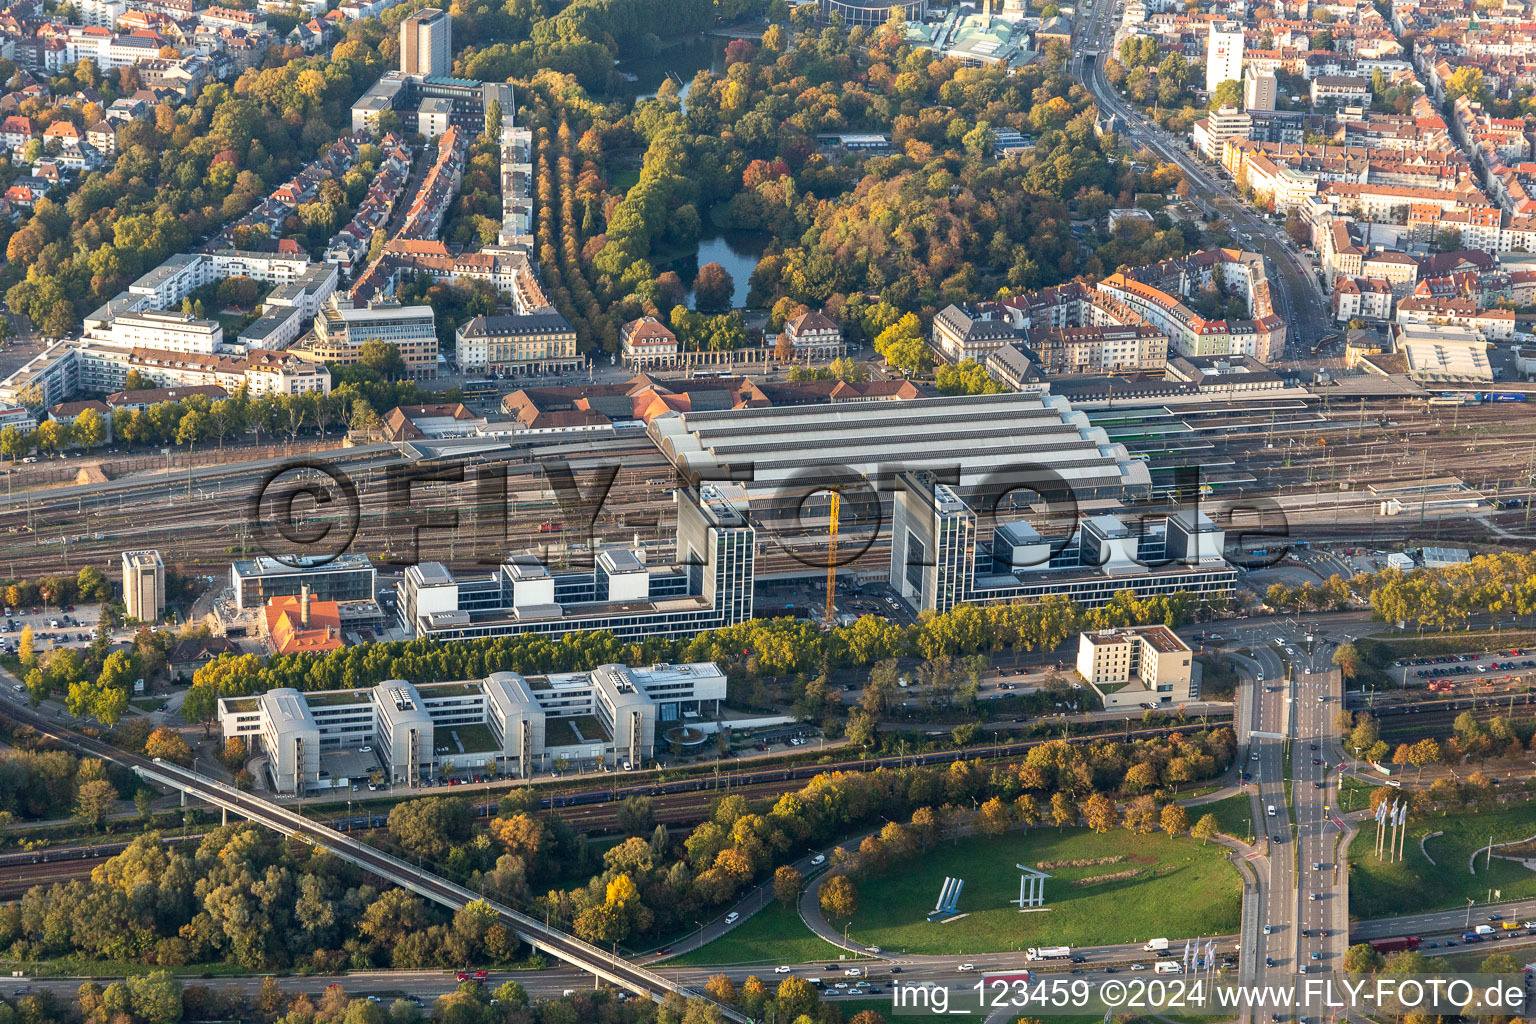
[832, 559]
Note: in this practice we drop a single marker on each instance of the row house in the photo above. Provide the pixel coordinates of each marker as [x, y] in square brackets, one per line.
[1483, 288]
[1363, 298]
[417, 236]
[425, 217]
[1449, 164]
[373, 212]
[1478, 227]
[1390, 204]
[278, 206]
[1189, 334]
[1321, 63]
[1490, 324]
[1133, 348]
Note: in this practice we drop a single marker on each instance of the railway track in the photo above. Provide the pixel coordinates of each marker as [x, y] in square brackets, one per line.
[676, 803]
[1279, 449]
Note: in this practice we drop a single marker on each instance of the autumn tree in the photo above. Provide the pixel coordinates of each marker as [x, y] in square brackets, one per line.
[1207, 828]
[838, 897]
[1063, 811]
[993, 819]
[1347, 657]
[713, 289]
[1099, 812]
[1174, 820]
[167, 744]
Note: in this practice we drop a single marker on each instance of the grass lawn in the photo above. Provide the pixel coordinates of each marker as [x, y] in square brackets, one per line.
[774, 935]
[1234, 812]
[1354, 794]
[1188, 889]
[623, 181]
[1381, 889]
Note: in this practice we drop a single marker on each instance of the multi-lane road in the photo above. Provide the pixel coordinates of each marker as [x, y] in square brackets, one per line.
[1298, 921]
[1299, 299]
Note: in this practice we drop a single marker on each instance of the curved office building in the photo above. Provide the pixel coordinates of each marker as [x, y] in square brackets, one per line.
[870, 12]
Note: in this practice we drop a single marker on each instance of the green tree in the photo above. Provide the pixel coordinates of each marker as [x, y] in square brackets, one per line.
[94, 802]
[1227, 94]
[1362, 959]
[156, 997]
[382, 358]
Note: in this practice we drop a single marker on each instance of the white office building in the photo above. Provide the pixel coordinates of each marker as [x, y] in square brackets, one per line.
[939, 560]
[161, 331]
[403, 733]
[1136, 665]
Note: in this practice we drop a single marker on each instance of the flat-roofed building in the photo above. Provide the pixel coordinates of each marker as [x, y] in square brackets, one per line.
[1223, 55]
[938, 560]
[143, 585]
[426, 43]
[344, 578]
[410, 733]
[341, 329]
[1135, 665]
[1258, 89]
[709, 587]
[165, 332]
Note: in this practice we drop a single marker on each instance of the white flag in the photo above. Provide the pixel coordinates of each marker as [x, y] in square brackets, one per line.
[1210, 954]
[1381, 812]
[1186, 954]
[1402, 814]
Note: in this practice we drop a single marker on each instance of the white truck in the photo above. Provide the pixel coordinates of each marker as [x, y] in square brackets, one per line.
[1048, 953]
[1155, 946]
[1484, 929]
[1169, 967]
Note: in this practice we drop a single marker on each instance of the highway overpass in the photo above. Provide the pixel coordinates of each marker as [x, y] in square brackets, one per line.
[564, 947]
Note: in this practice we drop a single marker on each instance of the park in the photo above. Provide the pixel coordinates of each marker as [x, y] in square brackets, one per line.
[1104, 889]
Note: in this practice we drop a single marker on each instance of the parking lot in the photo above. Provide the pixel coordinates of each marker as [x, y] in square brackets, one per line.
[1447, 672]
[52, 627]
